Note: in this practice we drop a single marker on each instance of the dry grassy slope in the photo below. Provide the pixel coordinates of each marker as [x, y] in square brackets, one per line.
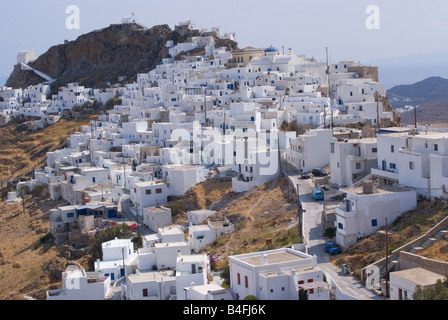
[29, 262]
[22, 152]
[409, 226]
[261, 213]
[28, 266]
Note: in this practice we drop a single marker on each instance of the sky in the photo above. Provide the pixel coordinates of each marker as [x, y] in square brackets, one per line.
[404, 28]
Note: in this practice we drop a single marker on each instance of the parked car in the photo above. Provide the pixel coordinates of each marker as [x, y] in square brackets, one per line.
[305, 175]
[319, 172]
[318, 194]
[332, 248]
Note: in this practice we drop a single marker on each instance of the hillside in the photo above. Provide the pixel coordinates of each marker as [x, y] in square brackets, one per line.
[22, 151]
[419, 93]
[101, 56]
[265, 212]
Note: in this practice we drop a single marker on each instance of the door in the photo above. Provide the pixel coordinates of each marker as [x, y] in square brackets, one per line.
[384, 165]
[400, 294]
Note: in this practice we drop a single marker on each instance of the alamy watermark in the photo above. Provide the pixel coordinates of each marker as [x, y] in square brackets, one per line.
[71, 282]
[373, 20]
[240, 147]
[73, 21]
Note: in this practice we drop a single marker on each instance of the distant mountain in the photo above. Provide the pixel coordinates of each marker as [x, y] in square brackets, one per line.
[430, 89]
[101, 56]
[430, 112]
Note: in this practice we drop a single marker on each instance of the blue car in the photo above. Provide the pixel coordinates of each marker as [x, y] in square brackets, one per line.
[332, 248]
[318, 194]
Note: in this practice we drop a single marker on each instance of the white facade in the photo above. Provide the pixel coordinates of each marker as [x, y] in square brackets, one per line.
[191, 269]
[352, 159]
[157, 217]
[77, 284]
[310, 150]
[364, 212]
[403, 283]
[274, 274]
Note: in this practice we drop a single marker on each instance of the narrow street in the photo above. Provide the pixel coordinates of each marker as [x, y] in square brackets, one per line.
[313, 236]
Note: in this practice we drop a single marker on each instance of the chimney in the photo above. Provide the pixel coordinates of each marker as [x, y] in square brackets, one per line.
[264, 259]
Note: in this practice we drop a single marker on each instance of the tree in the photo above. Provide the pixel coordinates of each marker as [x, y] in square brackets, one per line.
[303, 294]
[120, 231]
[250, 297]
[437, 292]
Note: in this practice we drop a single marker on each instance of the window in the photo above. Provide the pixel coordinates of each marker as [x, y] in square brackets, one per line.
[358, 165]
[374, 222]
[145, 292]
[340, 226]
[311, 291]
[411, 165]
[392, 148]
[238, 276]
[246, 282]
[300, 282]
[435, 147]
[392, 166]
[310, 280]
[272, 290]
[331, 147]
[374, 150]
[283, 288]
[159, 190]
[148, 191]
[93, 179]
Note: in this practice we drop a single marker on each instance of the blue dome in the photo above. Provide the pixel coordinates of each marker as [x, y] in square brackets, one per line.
[271, 49]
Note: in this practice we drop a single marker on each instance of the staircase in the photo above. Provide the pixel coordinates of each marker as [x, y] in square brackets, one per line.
[425, 243]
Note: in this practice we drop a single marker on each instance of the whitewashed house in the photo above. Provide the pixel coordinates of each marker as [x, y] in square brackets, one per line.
[196, 217]
[352, 159]
[210, 291]
[276, 275]
[119, 259]
[157, 217]
[191, 269]
[366, 209]
[403, 283]
[310, 150]
[147, 194]
[151, 285]
[201, 235]
[77, 284]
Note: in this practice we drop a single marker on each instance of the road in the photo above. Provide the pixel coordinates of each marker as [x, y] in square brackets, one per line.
[313, 237]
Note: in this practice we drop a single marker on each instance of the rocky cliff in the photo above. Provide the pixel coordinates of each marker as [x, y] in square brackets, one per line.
[101, 56]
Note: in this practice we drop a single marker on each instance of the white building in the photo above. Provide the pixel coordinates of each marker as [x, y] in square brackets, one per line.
[196, 217]
[403, 283]
[352, 159]
[77, 284]
[152, 285]
[210, 291]
[310, 150]
[276, 275]
[146, 194]
[416, 160]
[366, 209]
[191, 269]
[157, 217]
[115, 253]
[201, 235]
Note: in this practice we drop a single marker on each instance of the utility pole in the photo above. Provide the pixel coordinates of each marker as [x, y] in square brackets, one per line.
[415, 117]
[377, 114]
[299, 211]
[124, 270]
[387, 262]
[205, 105]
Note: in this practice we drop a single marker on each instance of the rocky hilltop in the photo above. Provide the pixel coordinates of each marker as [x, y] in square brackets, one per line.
[101, 56]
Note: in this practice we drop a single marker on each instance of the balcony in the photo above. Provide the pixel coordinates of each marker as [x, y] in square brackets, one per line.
[384, 174]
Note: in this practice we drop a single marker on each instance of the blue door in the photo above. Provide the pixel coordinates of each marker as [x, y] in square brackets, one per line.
[384, 165]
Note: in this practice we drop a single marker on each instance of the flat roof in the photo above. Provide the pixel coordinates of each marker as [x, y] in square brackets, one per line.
[272, 258]
[419, 276]
[170, 244]
[150, 276]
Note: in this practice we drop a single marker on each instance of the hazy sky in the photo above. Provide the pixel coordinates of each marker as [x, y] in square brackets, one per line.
[406, 26]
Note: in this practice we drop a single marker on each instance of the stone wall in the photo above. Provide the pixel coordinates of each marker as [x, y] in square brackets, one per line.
[409, 260]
